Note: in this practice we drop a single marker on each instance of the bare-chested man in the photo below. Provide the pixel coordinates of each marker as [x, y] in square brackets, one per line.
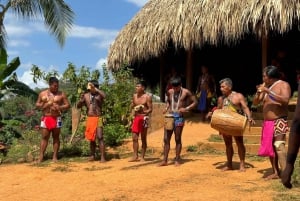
[52, 102]
[274, 95]
[93, 101]
[142, 106]
[235, 102]
[179, 101]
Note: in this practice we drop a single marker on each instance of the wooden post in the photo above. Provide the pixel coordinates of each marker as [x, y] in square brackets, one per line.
[189, 70]
[264, 51]
[161, 79]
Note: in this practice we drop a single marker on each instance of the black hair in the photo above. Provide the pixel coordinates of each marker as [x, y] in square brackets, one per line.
[52, 80]
[95, 83]
[142, 83]
[272, 72]
[175, 81]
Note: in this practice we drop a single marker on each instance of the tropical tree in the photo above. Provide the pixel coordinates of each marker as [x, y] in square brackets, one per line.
[58, 16]
[9, 83]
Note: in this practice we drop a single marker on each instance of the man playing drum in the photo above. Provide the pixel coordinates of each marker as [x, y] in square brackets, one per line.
[274, 95]
[179, 101]
[235, 102]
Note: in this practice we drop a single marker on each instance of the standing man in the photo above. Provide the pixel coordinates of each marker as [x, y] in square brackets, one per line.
[179, 101]
[93, 101]
[206, 89]
[235, 102]
[274, 95]
[52, 102]
[142, 107]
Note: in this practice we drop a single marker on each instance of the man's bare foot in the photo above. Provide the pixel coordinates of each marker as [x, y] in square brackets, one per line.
[226, 168]
[102, 160]
[272, 176]
[37, 162]
[143, 160]
[54, 160]
[134, 159]
[91, 158]
[177, 163]
[242, 169]
[164, 163]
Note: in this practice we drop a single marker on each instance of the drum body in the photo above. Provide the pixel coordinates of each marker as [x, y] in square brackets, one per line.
[228, 122]
[169, 122]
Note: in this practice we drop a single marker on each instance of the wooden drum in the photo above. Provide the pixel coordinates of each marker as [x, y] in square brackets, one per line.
[169, 122]
[228, 122]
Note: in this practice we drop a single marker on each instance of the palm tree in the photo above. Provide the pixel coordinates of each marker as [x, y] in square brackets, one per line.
[58, 16]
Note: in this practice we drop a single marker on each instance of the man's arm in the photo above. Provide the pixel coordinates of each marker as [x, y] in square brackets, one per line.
[245, 108]
[66, 104]
[149, 105]
[192, 99]
[101, 93]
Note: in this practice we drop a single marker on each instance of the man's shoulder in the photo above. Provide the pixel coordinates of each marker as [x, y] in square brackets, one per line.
[44, 91]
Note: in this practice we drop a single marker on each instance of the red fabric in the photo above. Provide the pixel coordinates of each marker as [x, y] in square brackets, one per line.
[91, 126]
[137, 124]
[214, 108]
[50, 122]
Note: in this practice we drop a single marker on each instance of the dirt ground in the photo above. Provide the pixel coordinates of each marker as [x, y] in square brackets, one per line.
[198, 178]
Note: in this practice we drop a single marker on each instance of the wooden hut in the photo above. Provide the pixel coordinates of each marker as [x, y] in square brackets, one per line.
[234, 38]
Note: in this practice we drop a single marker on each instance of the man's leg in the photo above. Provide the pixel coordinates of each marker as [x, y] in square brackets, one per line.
[293, 149]
[241, 151]
[281, 153]
[167, 139]
[178, 134]
[229, 152]
[56, 143]
[101, 143]
[44, 143]
[135, 146]
[92, 151]
[144, 143]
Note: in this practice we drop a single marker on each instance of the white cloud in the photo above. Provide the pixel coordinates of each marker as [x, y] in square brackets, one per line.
[104, 37]
[14, 30]
[100, 63]
[139, 3]
[26, 78]
[18, 43]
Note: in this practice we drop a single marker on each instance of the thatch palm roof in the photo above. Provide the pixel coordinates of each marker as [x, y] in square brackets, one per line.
[193, 23]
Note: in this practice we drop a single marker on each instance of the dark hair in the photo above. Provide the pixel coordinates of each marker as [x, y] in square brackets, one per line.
[95, 83]
[272, 72]
[52, 80]
[175, 81]
[142, 83]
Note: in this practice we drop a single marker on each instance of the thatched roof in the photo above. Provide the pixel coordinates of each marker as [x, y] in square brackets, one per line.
[193, 23]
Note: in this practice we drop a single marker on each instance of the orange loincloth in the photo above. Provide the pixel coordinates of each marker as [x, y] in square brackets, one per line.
[91, 126]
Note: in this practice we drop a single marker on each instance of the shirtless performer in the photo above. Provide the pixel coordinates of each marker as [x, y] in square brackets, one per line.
[235, 102]
[142, 106]
[93, 101]
[52, 102]
[179, 101]
[274, 95]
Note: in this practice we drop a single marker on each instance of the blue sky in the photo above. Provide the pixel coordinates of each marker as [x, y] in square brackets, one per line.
[96, 24]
